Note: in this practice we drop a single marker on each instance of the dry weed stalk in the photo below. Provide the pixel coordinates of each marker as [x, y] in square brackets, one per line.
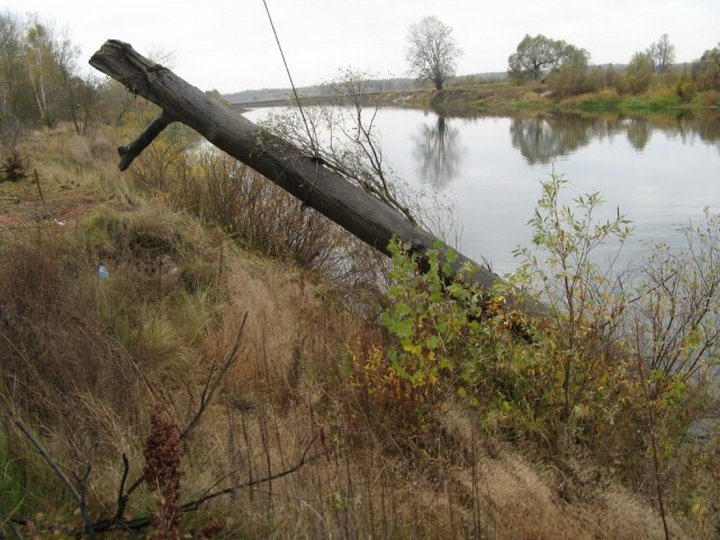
[163, 454]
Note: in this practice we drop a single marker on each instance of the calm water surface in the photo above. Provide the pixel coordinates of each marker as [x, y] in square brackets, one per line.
[660, 173]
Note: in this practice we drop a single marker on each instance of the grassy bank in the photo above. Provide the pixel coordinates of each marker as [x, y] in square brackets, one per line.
[505, 97]
[247, 345]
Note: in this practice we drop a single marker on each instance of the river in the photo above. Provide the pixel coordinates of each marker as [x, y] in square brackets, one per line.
[661, 173]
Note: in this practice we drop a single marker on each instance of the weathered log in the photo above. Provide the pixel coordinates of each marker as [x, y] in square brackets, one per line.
[329, 193]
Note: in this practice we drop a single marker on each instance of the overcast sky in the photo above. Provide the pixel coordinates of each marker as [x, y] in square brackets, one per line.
[228, 45]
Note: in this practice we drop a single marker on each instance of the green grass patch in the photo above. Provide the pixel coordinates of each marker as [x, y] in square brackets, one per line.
[655, 100]
[11, 485]
[27, 485]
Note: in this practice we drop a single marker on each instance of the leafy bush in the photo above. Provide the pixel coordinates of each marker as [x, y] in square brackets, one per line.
[570, 80]
[613, 367]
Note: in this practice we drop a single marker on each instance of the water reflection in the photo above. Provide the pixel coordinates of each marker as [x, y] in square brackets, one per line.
[638, 133]
[438, 152]
[541, 139]
[545, 137]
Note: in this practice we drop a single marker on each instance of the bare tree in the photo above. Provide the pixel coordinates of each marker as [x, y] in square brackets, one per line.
[343, 135]
[662, 54]
[344, 138]
[432, 51]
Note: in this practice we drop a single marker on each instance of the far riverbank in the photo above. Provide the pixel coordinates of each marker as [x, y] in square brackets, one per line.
[507, 97]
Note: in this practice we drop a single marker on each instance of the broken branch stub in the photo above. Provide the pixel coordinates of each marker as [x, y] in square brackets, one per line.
[329, 193]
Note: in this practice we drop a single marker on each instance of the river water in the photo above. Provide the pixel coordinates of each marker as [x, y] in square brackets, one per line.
[660, 173]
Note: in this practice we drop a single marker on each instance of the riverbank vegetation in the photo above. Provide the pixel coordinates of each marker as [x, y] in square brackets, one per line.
[247, 369]
[547, 74]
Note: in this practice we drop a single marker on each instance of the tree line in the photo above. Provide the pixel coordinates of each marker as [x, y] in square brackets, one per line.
[567, 71]
[40, 79]
[433, 52]
[41, 83]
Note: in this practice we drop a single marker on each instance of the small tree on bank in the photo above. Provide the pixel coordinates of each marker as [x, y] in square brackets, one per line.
[432, 51]
[706, 70]
[638, 73]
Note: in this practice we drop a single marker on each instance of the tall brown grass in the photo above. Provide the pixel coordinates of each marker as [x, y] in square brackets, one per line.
[85, 362]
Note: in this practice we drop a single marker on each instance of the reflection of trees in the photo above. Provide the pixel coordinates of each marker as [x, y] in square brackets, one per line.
[437, 149]
[708, 129]
[543, 138]
[686, 126]
[638, 133]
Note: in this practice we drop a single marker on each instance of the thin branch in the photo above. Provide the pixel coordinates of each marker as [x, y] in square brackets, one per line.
[122, 496]
[42, 198]
[212, 385]
[134, 149]
[653, 442]
[54, 466]
[82, 484]
[195, 505]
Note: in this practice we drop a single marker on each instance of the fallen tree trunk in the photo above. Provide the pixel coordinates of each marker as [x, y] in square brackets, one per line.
[305, 177]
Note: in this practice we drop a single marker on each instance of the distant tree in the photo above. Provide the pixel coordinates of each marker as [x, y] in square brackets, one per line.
[537, 55]
[45, 74]
[432, 51]
[662, 54]
[570, 80]
[80, 95]
[604, 77]
[16, 96]
[639, 72]
[40, 80]
[706, 70]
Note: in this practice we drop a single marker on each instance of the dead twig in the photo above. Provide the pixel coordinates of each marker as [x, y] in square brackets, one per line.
[116, 521]
[54, 466]
[106, 525]
[211, 386]
[39, 190]
[79, 496]
[195, 505]
[122, 496]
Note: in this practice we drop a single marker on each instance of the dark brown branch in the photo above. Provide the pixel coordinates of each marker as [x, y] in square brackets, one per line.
[42, 198]
[82, 490]
[122, 496]
[134, 149]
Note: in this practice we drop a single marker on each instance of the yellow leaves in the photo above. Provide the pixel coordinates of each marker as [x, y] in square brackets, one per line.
[698, 509]
[412, 348]
[693, 339]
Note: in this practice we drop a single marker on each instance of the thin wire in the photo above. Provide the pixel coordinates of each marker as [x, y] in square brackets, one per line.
[292, 84]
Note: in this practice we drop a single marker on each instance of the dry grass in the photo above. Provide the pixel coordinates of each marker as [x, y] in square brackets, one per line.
[86, 362]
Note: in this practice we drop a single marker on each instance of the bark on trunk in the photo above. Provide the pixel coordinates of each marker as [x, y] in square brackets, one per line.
[316, 186]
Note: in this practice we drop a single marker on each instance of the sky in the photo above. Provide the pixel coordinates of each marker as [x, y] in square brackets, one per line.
[229, 45]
